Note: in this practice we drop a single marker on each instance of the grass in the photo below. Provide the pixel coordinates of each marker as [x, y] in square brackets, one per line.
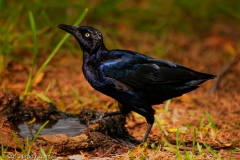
[45, 156]
[43, 15]
[194, 140]
[211, 121]
[33, 27]
[6, 47]
[49, 86]
[76, 94]
[42, 40]
[167, 105]
[190, 154]
[26, 148]
[3, 150]
[43, 66]
[77, 22]
[212, 151]
[233, 151]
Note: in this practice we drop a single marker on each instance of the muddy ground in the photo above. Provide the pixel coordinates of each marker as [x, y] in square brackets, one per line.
[210, 53]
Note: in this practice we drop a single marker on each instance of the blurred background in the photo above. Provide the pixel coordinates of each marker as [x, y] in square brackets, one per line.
[121, 21]
[200, 34]
[203, 35]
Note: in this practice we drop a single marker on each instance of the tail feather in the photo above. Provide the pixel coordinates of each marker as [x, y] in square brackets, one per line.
[195, 82]
[204, 76]
[168, 91]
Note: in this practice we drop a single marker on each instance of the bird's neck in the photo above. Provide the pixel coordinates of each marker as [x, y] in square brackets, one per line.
[98, 55]
[102, 48]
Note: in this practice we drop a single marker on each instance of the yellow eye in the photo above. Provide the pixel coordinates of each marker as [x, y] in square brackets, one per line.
[87, 35]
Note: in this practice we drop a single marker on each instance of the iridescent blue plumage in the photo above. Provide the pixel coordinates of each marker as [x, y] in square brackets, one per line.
[136, 81]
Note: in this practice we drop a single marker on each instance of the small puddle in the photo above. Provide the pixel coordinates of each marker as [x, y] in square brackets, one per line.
[69, 126]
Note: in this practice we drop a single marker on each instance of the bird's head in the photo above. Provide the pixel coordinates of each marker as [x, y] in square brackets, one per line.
[88, 37]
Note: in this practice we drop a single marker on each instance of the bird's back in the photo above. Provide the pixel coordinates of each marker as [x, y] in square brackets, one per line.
[159, 79]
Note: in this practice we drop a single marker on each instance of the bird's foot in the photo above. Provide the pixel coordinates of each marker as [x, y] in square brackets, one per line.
[100, 118]
[103, 115]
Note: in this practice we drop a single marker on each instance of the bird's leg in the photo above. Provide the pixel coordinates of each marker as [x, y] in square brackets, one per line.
[147, 132]
[111, 114]
[149, 115]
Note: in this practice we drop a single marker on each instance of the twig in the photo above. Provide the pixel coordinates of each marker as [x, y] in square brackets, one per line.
[222, 72]
[108, 151]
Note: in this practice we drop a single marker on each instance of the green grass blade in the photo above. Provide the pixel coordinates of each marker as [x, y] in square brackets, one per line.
[161, 128]
[50, 151]
[18, 142]
[46, 17]
[43, 97]
[201, 124]
[39, 131]
[199, 147]
[27, 147]
[188, 156]
[33, 27]
[79, 20]
[167, 105]
[76, 94]
[3, 151]
[168, 146]
[212, 151]
[49, 86]
[131, 155]
[28, 86]
[233, 151]
[178, 144]
[194, 140]
[211, 121]
[44, 155]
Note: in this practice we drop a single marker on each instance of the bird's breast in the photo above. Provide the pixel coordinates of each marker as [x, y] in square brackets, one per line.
[95, 78]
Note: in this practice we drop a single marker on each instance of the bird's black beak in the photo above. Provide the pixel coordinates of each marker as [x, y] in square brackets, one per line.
[68, 28]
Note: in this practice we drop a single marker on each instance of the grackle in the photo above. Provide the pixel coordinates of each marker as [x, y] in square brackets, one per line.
[135, 80]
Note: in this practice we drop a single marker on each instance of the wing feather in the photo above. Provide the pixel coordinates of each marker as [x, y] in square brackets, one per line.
[139, 73]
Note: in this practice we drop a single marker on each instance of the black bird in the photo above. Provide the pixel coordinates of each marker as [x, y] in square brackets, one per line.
[135, 80]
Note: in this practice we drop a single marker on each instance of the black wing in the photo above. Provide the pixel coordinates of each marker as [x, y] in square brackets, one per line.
[139, 73]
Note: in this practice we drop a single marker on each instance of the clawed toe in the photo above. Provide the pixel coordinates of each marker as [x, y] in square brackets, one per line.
[100, 118]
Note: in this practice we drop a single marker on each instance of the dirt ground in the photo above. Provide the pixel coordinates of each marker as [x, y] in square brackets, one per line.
[209, 53]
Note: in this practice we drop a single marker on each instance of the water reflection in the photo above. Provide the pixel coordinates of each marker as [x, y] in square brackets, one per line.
[69, 126]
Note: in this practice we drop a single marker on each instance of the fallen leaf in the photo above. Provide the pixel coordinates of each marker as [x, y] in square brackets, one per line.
[38, 79]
